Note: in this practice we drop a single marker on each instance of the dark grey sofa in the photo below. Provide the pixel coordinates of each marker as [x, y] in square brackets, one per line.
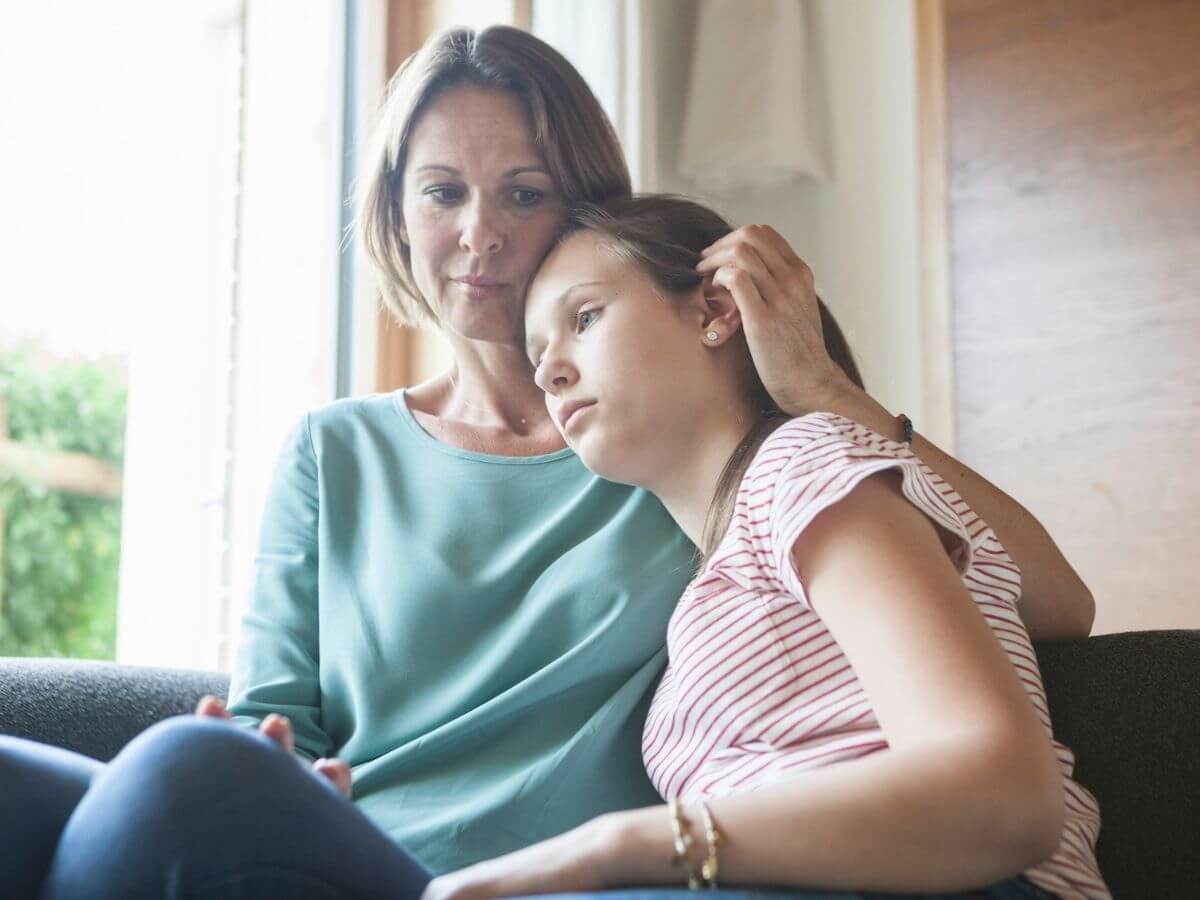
[1127, 704]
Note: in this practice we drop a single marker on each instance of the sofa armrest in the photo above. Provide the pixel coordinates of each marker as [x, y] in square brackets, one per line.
[95, 708]
[1128, 705]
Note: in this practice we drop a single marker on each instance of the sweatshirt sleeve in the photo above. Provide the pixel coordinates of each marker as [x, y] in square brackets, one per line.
[819, 460]
[278, 657]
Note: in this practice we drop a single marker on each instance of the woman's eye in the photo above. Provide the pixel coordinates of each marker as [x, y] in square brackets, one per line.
[443, 193]
[585, 318]
[527, 197]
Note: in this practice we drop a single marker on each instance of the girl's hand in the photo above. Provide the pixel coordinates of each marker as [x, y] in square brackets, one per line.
[579, 860]
[279, 729]
[775, 294]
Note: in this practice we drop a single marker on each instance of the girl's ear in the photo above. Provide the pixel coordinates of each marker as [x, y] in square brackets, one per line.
[721, 318]
[403, 233]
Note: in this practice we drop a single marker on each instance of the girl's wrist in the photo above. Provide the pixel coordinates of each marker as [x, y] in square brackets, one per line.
[638, 846]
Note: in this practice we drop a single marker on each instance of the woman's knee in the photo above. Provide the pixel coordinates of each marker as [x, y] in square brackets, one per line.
[183, 752]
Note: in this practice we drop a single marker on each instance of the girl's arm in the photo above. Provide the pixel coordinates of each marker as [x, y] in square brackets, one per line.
[968, 792]
[775, 293]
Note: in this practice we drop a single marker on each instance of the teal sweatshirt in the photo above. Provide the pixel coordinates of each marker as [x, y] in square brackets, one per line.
[477, 636]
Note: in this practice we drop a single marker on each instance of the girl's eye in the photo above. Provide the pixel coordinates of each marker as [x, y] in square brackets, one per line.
[527, 197]
[582, 320]
[443, 193]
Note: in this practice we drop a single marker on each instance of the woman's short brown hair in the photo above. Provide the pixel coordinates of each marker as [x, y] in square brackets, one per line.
[570, 129]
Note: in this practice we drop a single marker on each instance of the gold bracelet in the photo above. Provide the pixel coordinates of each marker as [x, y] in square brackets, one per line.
[683, 843]
[712, 865]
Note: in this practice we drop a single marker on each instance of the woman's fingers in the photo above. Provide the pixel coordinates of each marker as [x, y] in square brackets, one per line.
[746, 258]
[774, 249]
[213, 707]
[780, 275]
[745, 294]
[337, 771]
[279, 729]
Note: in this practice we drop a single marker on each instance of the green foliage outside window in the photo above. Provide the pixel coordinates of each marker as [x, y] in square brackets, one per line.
[60, 551]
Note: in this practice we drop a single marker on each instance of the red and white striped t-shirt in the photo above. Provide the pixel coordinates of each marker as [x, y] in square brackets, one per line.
[757, 689]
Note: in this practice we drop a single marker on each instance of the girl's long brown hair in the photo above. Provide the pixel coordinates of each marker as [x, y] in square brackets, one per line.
[663, 235]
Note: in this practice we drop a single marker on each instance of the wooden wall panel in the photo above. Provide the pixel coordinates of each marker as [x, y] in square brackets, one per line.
[409, 23]
[1074, 155]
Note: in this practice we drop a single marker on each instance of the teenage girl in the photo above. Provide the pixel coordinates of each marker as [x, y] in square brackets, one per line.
[852, 701]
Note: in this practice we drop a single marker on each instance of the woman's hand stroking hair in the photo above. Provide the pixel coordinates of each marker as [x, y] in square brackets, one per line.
[775, 294]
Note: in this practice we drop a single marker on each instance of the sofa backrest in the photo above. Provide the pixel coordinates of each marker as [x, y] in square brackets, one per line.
[1128, 705]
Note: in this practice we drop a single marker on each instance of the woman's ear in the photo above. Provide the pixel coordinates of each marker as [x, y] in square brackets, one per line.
[403, 233]
[721, 317]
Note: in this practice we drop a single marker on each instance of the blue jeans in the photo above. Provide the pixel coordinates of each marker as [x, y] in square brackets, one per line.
[197, 809]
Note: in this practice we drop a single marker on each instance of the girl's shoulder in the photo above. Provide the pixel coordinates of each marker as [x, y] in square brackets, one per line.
[818, 440]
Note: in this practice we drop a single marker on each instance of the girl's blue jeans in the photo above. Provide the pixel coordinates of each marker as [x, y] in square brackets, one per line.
[198, 809]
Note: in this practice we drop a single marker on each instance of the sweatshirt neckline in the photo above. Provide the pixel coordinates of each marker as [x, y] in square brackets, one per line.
[400, 402]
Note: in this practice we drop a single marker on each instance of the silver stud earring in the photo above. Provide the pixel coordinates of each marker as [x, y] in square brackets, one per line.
[712, 335]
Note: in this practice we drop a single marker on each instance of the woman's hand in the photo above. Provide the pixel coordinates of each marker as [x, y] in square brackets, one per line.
[775, 294]
[583, 859]
[279, 729]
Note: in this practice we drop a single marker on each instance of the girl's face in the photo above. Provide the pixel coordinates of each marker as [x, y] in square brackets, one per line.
[480, 210]
[626, 375]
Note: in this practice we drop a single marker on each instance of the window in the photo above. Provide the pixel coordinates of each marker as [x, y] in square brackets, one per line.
[174, 177]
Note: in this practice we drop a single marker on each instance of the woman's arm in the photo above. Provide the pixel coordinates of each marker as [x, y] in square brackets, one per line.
[775, 293]
[968, 793]
[277, 669]
[1055, 603]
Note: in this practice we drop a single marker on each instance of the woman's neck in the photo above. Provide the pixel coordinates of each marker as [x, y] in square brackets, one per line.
[491, 385]
[486, 402]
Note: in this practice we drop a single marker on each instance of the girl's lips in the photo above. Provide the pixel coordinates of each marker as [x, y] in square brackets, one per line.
[576, 413]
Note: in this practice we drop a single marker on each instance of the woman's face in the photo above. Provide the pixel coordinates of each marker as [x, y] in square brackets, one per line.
[624, 369]
[480, 210]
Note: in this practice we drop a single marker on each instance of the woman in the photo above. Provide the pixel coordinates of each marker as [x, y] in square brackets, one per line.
[445, 598]
[851, 700]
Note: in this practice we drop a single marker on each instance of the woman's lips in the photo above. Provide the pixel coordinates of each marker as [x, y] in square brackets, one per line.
[480, 288]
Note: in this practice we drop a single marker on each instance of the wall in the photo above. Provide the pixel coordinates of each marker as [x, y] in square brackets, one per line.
[859, 231]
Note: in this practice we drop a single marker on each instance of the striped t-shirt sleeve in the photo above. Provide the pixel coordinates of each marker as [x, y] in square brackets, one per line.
[817, 460]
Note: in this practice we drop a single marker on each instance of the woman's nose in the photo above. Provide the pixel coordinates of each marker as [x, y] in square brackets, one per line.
[481, 231]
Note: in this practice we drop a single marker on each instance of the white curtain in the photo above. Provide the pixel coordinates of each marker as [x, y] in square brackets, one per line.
[756, 97]
[609, 43]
